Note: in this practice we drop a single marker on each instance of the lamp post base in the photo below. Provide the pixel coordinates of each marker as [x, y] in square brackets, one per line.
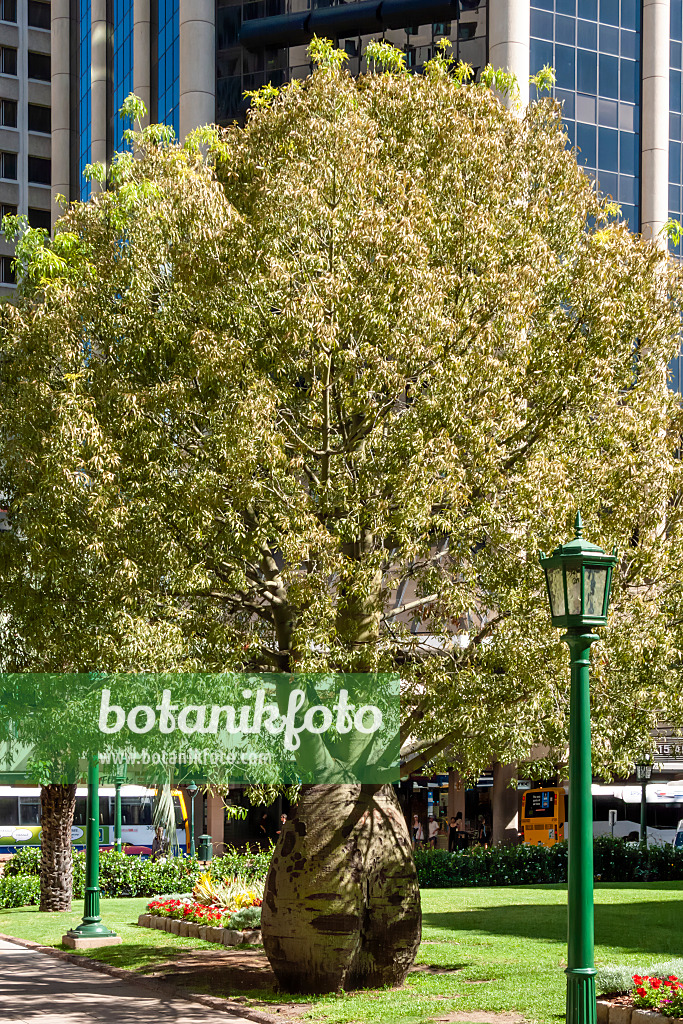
[76, 940]
[581, 1004]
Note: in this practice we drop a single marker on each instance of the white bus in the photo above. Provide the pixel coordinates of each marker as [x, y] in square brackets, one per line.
[20, 817]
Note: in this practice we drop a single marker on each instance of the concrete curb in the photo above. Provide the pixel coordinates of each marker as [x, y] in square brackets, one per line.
[159, 988]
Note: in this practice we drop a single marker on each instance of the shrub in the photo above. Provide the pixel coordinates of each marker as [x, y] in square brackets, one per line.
[619, 978]
[26, 861]
[614, 861]
[247, 917]
[121, 875]
[19, 891]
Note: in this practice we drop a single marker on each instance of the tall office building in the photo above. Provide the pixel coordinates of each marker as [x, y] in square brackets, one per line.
[24, 119]
[192, 60]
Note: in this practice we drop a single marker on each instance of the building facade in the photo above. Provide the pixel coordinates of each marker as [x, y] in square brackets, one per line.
[24, 119]
[618, 64]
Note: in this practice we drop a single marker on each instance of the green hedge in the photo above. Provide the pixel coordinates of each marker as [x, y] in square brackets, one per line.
[121, 875]
[614, 861]
[20, 891]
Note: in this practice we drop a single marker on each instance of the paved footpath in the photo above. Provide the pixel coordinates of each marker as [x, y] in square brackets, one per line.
[36, 988]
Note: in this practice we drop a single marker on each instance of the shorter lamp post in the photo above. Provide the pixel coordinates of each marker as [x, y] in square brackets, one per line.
[119, 780]
[192, 792]
[91, 928]
[643, 773]
[578, 577]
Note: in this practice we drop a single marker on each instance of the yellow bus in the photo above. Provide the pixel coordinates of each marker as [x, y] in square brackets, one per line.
[543, 816]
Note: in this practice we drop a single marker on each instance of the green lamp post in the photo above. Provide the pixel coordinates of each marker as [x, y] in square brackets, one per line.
[192, 791]
[119, 780]
[578, 577]
[643, 774]
[91, 927]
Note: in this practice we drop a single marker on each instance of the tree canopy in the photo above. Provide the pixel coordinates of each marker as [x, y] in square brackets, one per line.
[312, 393]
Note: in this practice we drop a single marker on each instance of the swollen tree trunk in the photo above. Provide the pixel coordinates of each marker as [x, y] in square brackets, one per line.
[57, 806]
[341, 908]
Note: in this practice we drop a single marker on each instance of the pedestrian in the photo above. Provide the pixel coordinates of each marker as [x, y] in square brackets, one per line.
[418, 832]
[159, 844]
[455, 831]
[264, 830]
[433, 831]
[283, 822]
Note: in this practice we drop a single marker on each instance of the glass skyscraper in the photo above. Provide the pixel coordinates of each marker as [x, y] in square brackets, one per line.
[617, 62]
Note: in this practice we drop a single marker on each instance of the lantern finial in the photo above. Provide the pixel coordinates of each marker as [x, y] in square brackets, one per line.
[578, 526]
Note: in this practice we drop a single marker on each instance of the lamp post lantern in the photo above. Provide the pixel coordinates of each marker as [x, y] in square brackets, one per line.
[578, 577]
[192, 792]
[643, 773]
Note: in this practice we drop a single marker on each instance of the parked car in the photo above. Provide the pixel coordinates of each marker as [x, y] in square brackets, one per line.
[132, 851]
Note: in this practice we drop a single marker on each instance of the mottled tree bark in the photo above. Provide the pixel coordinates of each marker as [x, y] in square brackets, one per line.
[342, 904]
[57, 806]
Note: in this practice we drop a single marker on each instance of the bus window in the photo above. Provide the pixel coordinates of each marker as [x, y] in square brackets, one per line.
[29, 810]
[8, 810]
[80, 812]
[136, 811]
[106, 816]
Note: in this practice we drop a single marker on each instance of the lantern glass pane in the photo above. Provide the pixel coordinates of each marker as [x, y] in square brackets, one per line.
[556, 591]
[595, 583]
[574, 591]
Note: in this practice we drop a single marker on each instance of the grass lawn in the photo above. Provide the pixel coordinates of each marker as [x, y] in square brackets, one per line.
[506, 947]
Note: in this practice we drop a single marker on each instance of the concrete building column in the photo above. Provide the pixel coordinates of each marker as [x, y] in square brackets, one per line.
[98, 83]
[509, 25]
[142, 80]
[505, 804]
[60, 85]
[197, 64]
[456, 796]
[654, 181]
[215, 823]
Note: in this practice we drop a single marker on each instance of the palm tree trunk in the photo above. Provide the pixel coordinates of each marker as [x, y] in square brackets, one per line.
[342, 904]
[57, 806]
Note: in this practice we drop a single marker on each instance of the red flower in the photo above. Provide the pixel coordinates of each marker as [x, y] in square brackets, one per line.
[655, 982]
[638, 979]
[641, 992]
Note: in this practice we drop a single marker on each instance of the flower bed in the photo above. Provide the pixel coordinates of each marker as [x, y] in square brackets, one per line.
[185, 916]
[652, 1000]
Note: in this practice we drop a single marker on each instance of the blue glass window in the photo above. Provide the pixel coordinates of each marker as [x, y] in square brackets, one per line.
[628, 152]
[540, 54]
[630, 14]
[608, 150]
[630, 81]
[676, 21]
[608, 71]
[123, 65]
[84, 98]
[541, 24]
[587, 71]
[566, 7]
[565, 30]
[564, 67]
[585, 140]
[609, 39]
[609, 12]
[587, 34]
[168, 63]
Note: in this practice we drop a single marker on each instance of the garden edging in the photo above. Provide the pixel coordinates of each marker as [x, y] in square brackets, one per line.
[223, 936]
[610, 1013]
